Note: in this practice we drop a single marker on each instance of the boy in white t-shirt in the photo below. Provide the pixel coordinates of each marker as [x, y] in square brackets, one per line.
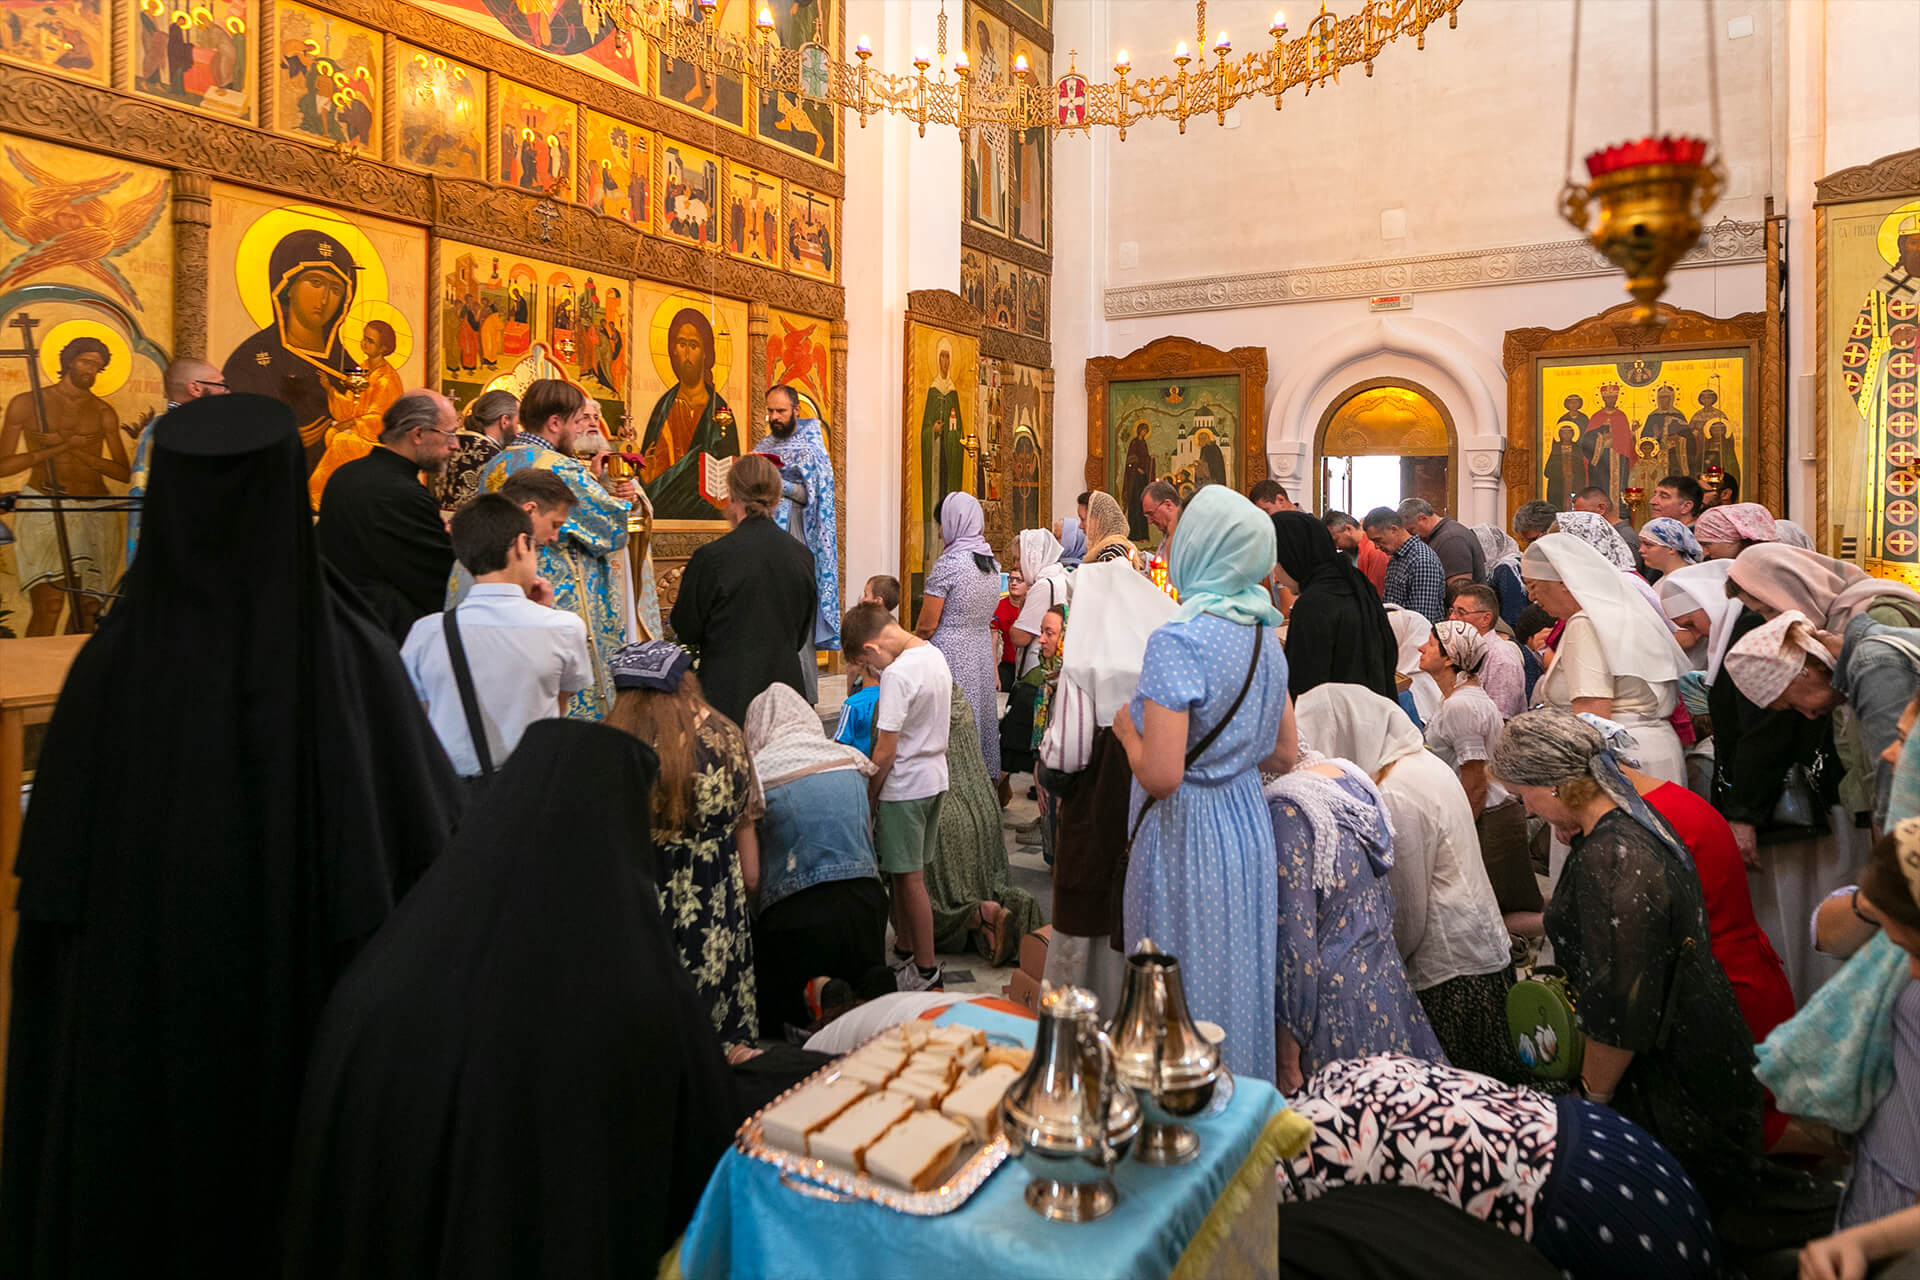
[910, 725]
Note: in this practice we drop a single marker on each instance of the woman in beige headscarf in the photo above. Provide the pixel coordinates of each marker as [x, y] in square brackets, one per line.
[1106, 529]
[1773, 578]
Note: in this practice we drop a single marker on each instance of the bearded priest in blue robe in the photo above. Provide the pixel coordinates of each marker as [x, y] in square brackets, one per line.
[807, 507]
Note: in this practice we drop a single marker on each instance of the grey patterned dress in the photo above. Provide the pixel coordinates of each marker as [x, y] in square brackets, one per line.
[965, 637]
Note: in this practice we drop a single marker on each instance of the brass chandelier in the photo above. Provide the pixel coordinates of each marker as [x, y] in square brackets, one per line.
[954, 94]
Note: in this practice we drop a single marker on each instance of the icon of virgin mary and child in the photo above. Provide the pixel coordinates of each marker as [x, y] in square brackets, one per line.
[299, 359]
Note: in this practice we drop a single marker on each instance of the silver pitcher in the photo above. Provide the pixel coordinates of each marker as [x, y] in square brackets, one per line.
[1066, 1118]
[1160, 1054]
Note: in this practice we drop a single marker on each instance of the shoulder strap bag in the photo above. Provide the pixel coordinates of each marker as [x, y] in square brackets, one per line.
[469, 700]
[1194, 752]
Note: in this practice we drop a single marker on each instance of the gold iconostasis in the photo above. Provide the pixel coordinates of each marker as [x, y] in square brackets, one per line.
[335, 201]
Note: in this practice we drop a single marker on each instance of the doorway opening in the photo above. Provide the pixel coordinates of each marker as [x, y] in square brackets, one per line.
[1381, 442]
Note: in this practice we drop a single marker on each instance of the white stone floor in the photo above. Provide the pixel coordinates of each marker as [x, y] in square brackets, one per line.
[1029, 868]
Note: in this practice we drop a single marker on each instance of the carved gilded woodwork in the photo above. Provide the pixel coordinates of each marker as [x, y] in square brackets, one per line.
[192, 217]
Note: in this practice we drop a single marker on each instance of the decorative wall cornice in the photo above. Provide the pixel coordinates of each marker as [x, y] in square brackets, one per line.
[1726, 243]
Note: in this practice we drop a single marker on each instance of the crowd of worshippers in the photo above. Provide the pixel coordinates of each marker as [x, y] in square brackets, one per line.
[387, 909]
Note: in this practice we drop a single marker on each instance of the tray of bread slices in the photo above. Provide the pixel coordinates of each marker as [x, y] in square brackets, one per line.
[909, 1120]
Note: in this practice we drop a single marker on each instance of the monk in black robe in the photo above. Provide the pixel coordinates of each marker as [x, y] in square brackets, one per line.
[237, 785]
[516, 1078]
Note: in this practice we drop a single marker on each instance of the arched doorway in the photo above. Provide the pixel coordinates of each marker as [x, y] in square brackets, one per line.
[1383, 441]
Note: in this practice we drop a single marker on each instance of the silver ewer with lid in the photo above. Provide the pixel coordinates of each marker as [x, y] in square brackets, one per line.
[1159, 1052]
[1067, 1119]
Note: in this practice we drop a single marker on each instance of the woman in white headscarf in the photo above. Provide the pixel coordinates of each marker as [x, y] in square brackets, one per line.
[1696, 602]
[821, 909]
[1446, 921]
[1411, 631]
[1617, 658]
[1463, 733]
[1046, 580]
[1502, 555]
[1593, 529]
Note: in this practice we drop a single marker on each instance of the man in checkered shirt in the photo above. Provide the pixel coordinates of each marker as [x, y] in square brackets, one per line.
[1415, 579]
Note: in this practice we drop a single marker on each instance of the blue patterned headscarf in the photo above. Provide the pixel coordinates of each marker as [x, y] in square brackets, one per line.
[1222, 548]
[1670, 533]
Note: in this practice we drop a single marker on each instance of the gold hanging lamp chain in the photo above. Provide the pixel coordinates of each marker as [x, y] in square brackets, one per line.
[1573, 91]
[1653, 65]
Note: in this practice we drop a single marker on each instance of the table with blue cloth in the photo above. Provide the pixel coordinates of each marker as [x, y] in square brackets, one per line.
[1215, 1215]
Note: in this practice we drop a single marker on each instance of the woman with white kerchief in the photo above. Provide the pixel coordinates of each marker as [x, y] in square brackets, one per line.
[1411, 631]
[1341, 990]
[1617, 658]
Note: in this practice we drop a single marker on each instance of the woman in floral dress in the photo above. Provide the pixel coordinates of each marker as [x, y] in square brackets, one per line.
[705, 805]
[956, 613]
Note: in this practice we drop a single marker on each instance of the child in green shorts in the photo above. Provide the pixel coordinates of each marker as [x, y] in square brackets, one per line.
[910, 754]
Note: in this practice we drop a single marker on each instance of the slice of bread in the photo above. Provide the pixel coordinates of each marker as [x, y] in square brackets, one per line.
[866, 1070]
[787, 1124]
[976, 1102]
[915, 1152]
[925, 1091]
[846, 1140]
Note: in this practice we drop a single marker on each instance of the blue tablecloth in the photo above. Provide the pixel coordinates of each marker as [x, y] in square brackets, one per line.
[749, 1224]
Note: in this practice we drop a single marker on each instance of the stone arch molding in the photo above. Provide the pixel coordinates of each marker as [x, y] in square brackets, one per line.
[1436, 356]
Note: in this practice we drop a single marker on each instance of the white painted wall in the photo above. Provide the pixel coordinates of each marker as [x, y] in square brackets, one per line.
[1468, 138]
[900, 231]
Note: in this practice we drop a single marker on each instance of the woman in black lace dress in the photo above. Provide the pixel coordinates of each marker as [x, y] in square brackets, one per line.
[1665, 1043]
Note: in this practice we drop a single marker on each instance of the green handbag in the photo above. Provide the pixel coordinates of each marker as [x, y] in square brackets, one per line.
[1540, 1017]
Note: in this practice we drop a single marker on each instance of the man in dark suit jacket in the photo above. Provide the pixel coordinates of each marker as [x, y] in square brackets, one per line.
[381, 528]
[747, 600]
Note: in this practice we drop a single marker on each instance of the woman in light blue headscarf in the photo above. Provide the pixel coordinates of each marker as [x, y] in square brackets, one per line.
[1210, 712]
[1073, 543]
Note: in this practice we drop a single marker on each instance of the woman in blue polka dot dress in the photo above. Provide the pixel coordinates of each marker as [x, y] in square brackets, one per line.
[1202, 879]
[1591, 1190]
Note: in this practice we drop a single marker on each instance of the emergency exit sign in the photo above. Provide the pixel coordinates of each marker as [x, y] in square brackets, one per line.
[1390, 302]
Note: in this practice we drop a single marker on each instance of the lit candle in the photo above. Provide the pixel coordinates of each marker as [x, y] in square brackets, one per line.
[960, 62]
[863, 47]
[1180, 51]
[1222, 45]
[765, 20]
[1020, 64]
[1121, 63]
[1279, 27]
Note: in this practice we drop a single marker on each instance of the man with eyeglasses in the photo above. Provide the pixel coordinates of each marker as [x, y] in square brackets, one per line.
[1503, 673]
[184, 379]
[382, 528]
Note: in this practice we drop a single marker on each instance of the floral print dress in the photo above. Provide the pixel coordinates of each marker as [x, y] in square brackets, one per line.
[703, 894]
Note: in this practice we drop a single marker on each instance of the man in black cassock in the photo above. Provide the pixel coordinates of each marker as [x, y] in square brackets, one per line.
[381, 528]
[747, 600]
[237, 785]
